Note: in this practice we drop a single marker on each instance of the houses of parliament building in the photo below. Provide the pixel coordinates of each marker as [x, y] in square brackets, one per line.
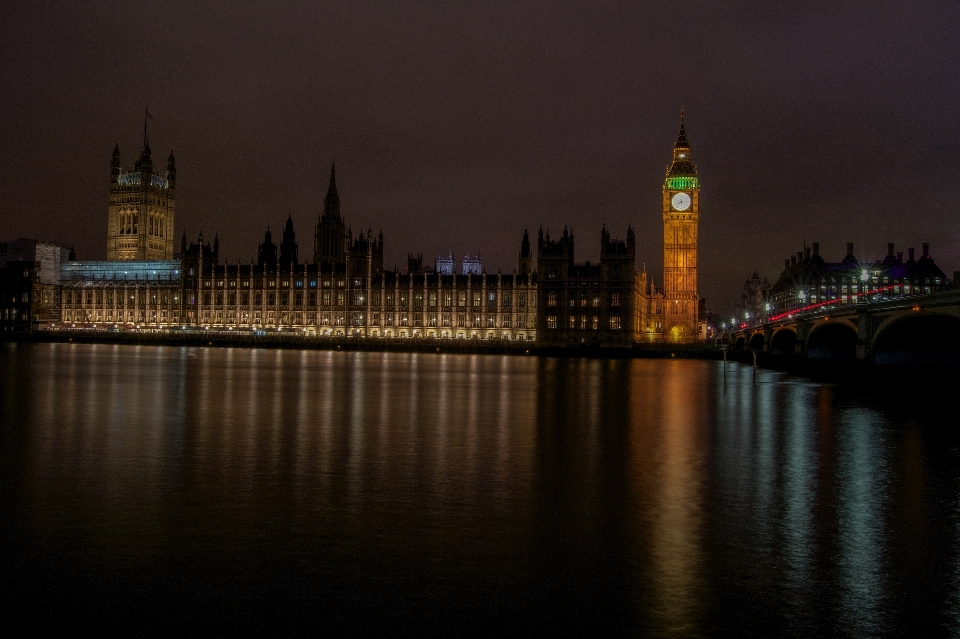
[342, 288]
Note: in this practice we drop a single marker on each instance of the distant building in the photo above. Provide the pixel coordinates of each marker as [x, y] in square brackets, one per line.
[30, 283]
[807, 281]
[753, 304]
[445, 265]
[344, 289]
[472, 265]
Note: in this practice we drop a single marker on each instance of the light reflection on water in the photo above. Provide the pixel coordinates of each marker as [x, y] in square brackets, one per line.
[329, 489]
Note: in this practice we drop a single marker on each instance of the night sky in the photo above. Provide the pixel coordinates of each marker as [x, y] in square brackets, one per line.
[457, 125]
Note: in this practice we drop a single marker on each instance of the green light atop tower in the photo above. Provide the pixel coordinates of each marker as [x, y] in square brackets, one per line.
[681, 183]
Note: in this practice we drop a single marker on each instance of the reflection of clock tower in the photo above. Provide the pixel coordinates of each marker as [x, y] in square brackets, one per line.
[681, 216]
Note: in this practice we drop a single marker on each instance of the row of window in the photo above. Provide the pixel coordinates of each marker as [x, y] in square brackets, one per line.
[109, 297]
[582, 299]
[285, 298]
[128, 223]
[584, 322]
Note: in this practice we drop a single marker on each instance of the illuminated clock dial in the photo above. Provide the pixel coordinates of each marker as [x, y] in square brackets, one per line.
[681, 201]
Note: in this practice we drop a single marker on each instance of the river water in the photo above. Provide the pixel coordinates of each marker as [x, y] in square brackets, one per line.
[162, 489]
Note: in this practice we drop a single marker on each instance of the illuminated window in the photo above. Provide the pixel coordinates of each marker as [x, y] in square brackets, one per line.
[615, 323]
[551, 321]
[615, 300]
[552, 300]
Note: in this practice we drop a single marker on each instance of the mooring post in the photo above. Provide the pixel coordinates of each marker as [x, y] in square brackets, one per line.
[754, 366]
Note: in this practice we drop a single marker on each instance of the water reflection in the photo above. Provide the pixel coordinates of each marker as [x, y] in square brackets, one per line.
[674, 498]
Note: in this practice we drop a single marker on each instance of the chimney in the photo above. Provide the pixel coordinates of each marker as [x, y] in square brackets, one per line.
[799, 256]
[926, 249]
[899, 257]
[816, 248]
[786, 264]
[889, 249]
[849, 249]
[806, 253]
[910, 253]
[793, 260]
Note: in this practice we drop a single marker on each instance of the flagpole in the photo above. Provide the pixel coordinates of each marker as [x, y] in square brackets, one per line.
[146, 114]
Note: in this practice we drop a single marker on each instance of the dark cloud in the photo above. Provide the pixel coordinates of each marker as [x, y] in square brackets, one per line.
[457, 125]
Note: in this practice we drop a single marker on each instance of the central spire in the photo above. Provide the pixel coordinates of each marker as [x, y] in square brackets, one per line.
[331, 204]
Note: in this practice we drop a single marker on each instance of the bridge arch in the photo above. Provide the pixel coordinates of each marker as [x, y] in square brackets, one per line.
[783, 342]
[756, 342]
[738, 345]
[832, 340]
[915, 339]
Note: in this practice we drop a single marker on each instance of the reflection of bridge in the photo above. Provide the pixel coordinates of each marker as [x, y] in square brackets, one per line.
[922, 329]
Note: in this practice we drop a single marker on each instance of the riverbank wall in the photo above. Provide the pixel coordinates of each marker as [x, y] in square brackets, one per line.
[227, 339]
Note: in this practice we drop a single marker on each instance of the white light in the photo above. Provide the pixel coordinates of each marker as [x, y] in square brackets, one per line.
[864, 275]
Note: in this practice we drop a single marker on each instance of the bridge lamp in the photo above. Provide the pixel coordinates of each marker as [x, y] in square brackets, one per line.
[746, 316]
[803, 295]
[766, 306]
[864, 275]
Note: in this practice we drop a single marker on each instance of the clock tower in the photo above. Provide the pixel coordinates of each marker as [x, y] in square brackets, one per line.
[681, 217]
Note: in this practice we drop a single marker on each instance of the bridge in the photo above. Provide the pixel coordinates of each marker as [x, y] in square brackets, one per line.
[910, 330]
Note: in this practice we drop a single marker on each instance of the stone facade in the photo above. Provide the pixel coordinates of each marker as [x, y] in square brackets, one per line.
[345, 290]
[584, 303]
[141, 212]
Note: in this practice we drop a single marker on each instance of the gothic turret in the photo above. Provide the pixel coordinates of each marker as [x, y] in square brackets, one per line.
[171, 170]
[144, 165]
[526, 256]
[267, 253]
[288, 247]
[115, 165]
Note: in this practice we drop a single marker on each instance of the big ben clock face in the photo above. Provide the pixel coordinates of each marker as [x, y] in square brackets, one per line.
[681, 201]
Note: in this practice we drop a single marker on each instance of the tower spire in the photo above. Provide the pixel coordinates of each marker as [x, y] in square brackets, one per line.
[682, 138]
